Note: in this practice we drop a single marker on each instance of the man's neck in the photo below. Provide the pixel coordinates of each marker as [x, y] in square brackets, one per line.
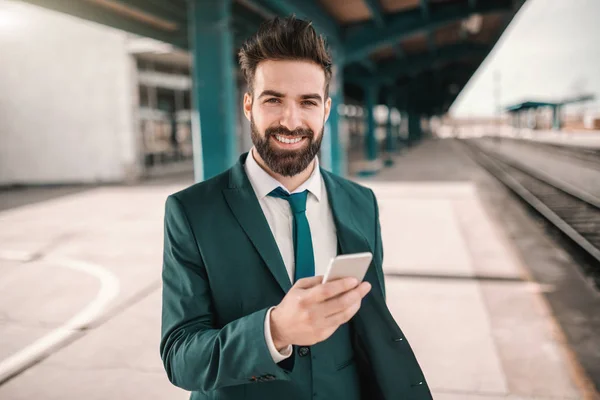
[291, 183]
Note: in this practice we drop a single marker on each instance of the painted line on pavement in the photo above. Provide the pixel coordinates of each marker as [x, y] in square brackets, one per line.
[41, 348]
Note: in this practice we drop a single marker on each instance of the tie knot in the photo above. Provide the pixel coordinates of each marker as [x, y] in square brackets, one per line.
[297, 200]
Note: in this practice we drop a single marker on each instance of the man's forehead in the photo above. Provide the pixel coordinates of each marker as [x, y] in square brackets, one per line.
[290, 76]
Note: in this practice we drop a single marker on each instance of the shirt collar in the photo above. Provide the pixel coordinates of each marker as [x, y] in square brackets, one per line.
[263, 183]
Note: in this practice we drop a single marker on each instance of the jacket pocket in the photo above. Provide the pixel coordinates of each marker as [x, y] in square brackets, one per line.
[344, 364]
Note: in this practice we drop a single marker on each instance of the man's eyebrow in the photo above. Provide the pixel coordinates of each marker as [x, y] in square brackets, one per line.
[271, 93]
[311, 96]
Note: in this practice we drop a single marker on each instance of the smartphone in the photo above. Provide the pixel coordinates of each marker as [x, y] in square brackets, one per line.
[348, 265]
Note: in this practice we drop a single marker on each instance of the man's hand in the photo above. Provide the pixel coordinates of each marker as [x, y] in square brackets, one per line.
[311, 312]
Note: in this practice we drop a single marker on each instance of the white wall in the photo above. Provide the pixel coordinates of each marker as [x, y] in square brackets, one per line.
[66, 99]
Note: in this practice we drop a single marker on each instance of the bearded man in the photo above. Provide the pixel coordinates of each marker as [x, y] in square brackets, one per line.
[245, 313]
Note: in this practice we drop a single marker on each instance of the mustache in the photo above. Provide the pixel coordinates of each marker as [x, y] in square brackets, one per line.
[299, 132]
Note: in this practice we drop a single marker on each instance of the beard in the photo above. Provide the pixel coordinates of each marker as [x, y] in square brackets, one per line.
[286, 162]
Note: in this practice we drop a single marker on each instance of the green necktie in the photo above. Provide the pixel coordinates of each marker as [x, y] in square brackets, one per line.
[303, 248]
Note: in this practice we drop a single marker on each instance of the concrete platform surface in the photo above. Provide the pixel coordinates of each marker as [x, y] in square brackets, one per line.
[80, 282]
[478, 325]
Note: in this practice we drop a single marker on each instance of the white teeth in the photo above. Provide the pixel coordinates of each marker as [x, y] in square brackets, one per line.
[288, 141]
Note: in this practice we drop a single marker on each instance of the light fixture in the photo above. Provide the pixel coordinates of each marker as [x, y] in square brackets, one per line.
[472, 25]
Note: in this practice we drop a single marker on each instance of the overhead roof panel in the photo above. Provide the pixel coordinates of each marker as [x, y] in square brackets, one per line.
[347, 11]
[392, 6]
[448, 34]
[491, 24]
[368, 31]
[415, 44]
[385, 53]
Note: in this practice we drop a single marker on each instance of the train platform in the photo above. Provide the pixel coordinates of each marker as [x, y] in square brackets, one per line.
[80, 291]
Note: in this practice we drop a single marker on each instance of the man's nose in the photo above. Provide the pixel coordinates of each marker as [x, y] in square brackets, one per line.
[291, 118]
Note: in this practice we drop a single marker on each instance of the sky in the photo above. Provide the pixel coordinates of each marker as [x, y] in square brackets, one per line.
[551, 50]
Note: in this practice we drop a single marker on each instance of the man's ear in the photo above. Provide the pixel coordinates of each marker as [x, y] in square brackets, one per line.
[327, 108]
[247, 106]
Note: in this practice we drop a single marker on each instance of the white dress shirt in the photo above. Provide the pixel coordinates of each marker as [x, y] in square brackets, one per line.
[280, 219]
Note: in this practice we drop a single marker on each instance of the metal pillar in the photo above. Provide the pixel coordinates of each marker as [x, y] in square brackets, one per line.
[414, 128]
[371, 164]
[398, 134]
[390, 139]
[556, 122]
[214, 97]
[402, 104]
[333, 151]
[370, 137]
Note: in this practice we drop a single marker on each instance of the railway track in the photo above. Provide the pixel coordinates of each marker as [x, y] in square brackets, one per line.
[589, 156]
[575, 213]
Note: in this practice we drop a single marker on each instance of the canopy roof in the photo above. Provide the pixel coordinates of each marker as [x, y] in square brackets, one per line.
[425, 49]
[528, 105]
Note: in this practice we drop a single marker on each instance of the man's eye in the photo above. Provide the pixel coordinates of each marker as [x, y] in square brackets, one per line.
[273, 100]
[309, 103]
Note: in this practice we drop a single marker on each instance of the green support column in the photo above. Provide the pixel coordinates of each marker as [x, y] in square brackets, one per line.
[333, 153]
[390, 139]
[371, 164]
[556, 125]
[402, 104]
[414, 128]
[214, 97]
[399, 139]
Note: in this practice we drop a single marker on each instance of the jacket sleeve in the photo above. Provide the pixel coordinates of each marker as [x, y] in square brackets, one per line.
[197, 355]
[378, 256]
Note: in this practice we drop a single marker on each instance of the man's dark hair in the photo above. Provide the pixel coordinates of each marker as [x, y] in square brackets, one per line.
[284, 39]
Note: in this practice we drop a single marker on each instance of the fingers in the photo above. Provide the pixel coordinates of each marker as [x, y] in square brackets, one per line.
[346, 300]
[332, 289]
[343, 316]
[306, 283]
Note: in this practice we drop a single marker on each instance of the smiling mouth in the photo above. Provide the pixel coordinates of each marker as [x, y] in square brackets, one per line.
[287, 140]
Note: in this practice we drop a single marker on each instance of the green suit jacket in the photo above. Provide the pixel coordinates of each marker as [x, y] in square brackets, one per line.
[222, 271]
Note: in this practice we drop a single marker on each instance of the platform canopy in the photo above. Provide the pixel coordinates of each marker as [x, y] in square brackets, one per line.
[425, 50]
[529, 105]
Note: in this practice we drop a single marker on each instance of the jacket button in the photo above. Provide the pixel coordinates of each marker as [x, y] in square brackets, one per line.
[303, 351]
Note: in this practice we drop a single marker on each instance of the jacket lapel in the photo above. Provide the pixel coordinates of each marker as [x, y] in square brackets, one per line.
[353, 241]
[350, 238]
[245, 207]
[377, 339]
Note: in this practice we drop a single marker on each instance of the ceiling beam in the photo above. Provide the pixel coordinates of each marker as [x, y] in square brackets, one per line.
[426, 12]
[171, 10]
[255, 8]
[364, 38]
[306, 9]
[415, 65]
[93, 12]
[399, 51]
[369, 65]
[367, 81]
[242, 16]
[435, 85]
[377, 12]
